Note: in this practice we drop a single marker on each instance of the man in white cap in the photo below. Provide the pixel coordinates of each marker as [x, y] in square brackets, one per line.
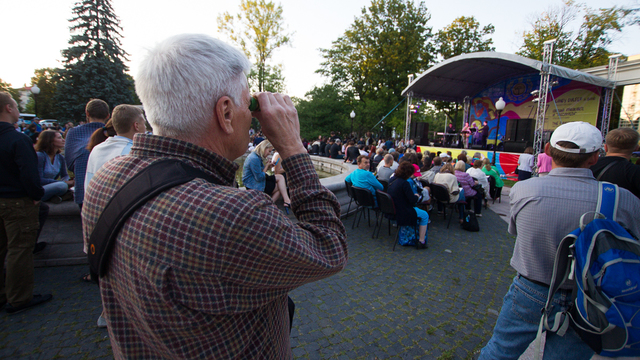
[543, 211]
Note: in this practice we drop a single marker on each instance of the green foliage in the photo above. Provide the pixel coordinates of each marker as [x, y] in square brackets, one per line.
[463, 36]
[372, 60]
[584, 48]
[324, 109]
[259, 30]
[273, 80]
[14, 93]
[94, 63]
[46, 79]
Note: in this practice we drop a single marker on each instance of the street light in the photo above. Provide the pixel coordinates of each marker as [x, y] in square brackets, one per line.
[500, 104]
[353, 116]
[35, 90]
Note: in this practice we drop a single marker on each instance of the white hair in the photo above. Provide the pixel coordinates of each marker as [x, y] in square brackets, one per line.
[182, 78]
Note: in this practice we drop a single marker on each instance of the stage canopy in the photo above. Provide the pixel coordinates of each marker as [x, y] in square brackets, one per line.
[468, 74]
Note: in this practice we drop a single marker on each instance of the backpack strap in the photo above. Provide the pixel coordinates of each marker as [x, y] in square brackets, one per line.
[562, 270]
[608, 200]
[148, 183]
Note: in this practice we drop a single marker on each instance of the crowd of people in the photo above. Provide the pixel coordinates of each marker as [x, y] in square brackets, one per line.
[205, 253]
[465, 179]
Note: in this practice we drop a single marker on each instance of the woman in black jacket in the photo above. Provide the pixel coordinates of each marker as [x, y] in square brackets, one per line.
[404, 200]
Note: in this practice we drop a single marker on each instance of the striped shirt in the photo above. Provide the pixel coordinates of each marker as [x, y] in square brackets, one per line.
[77, 155]
[545, 209]
[203, 270]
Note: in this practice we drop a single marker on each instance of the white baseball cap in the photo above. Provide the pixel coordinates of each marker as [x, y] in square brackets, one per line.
[586, 136]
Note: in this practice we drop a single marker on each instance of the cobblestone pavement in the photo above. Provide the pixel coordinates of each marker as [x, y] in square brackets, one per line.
[439, 303]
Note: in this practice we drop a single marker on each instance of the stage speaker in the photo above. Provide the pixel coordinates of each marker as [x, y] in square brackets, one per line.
[476, 147]
[519, 130]
[516, 146]
[419, 132]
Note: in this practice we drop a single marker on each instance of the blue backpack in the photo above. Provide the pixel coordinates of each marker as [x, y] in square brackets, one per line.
[604, 260]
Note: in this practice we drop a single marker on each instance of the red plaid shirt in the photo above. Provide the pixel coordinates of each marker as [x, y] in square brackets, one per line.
[203, 270]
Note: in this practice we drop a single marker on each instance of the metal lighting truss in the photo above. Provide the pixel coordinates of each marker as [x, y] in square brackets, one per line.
[538, 137]
[608, 94]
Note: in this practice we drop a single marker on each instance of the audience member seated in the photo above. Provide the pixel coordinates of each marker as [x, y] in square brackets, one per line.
[435, 169]
[447, 177]
[351, 152]
[463, 157]
[385, 172]
[52, 167]
[427, 163]
[467, 184]
[493, 172]
[377, 159]
[477, 173]
[394, 166]
[335, 151]
[363, 178]
[404, 200]
[254, 176]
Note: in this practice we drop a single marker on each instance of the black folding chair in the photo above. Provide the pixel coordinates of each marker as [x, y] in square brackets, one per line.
[365, 201]
[388, 210]
[385, 184]
[351, 197]
[441, 194]
[494, 191]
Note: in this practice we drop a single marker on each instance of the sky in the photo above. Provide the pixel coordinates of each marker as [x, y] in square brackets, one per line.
[36, 31]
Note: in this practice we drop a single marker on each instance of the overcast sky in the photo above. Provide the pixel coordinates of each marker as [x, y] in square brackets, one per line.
[35, 31]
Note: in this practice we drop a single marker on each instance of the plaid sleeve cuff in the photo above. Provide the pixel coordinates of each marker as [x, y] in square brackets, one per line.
[299, 170]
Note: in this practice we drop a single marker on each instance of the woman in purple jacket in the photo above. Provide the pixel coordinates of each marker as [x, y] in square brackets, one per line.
[467, 183]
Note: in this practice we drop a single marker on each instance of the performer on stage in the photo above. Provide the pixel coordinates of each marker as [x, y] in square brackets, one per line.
[466, 132]
[449, 135]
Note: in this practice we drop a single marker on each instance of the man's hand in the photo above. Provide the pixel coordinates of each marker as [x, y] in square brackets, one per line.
[279, 120]
[70, 183]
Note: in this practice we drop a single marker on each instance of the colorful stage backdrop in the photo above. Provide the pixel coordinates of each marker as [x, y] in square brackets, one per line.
[575, 101]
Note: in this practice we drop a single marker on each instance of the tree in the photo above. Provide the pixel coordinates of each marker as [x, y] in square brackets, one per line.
[372, 60]
[94, 63]
[272, 78]
[259, 30]
[464, 35]
[46, 79]
[324, 109]
[586, 47]
[14, 93]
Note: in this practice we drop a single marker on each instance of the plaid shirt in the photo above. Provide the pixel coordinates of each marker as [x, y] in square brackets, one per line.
[77, 155]
[203, 270]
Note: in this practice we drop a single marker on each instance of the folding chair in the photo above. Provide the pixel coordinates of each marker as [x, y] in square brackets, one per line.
[388, 209]
[365, 201]
[350, 194]
[441, 194]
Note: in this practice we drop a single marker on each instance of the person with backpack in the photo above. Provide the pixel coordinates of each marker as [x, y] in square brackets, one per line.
[543, 211]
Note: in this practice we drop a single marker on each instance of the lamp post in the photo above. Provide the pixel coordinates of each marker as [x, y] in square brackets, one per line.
[500, 104]
[35, 90]
[353, 116]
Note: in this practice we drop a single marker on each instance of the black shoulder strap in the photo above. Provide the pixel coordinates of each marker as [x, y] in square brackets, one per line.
[605, 170]
[148, 183]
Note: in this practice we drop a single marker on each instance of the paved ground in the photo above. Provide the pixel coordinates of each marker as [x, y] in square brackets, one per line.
[439, 303]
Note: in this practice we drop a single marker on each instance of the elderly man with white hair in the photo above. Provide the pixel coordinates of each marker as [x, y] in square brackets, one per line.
[203, 269]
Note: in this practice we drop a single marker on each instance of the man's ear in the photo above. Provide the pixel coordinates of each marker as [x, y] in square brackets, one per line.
[547, 149]
[224, 114]
[606, 148]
